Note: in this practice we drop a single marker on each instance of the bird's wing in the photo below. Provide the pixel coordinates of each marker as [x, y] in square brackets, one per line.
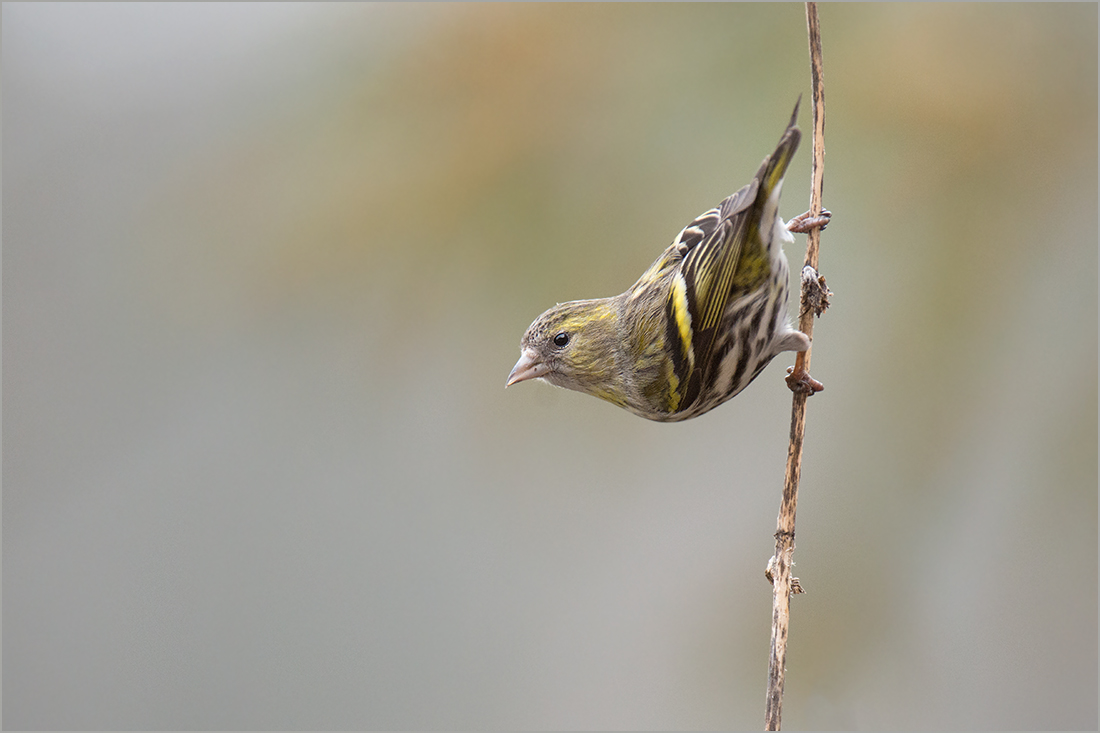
[715, 240]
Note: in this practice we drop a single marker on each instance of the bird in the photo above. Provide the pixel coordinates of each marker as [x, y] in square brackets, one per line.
[698, 326]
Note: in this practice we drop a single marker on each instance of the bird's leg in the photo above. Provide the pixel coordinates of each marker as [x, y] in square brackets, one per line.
[803, 223]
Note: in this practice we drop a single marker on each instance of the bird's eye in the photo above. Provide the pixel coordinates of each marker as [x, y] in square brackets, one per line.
[561, 339]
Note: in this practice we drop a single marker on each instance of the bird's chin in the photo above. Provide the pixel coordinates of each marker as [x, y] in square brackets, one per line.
[528, 367]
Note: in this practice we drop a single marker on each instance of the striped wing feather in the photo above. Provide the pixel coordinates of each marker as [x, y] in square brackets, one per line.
[712, 248]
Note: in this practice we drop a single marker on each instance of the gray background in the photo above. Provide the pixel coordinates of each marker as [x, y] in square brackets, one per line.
[266, 268]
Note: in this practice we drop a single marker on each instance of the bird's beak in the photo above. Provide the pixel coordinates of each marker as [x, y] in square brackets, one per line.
[528, 367]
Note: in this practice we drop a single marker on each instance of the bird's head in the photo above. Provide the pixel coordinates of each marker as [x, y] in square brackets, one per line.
[575, 345]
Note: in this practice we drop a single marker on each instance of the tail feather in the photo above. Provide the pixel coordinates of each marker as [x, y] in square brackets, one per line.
[774, 166]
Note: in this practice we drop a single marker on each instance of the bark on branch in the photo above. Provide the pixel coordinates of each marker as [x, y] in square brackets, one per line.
[813, 301]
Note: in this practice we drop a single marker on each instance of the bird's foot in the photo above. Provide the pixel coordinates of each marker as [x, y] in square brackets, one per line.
[804, 223]
[800, 381]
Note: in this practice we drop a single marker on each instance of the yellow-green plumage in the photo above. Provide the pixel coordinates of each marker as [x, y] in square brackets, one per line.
[696, 327]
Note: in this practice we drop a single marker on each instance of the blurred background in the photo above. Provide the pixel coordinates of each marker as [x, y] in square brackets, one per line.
[266, 269]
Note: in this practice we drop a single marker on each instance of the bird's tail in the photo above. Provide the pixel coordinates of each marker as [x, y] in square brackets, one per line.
[774, 166]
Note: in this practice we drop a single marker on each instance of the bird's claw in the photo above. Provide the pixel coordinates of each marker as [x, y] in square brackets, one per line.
[800, 382]
[804, 223]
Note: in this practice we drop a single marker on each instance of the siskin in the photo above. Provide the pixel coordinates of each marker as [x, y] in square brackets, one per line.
[700, 324]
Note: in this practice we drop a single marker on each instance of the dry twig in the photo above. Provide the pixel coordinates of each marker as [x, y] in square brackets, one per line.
[814, 300]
